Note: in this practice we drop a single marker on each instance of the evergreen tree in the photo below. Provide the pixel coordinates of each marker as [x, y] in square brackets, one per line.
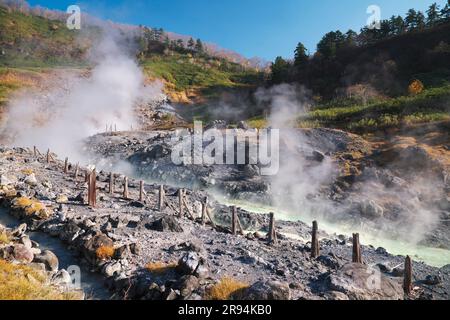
[280, 70]
[411, 19]
[199, 46]
[191, 44]
[433, 15]
[301, 55]
[351, 38]
[445, 12]
[330, 43]
[420, 20]
[397, 25]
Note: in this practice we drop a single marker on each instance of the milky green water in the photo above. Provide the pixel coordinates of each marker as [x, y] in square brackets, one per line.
[431, 256]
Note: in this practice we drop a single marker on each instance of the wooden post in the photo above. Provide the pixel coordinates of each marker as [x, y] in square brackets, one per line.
[315, 248]
[75, 175]
[66, 165]
[161, 198]
[356, 249]
[125, 188]
[180, 199]
[141, 191]
[204, 204]
[92, 189]
[111, 183]
[233, 220]
[48, 156]
[35, 151]
[238, 222]
[407, 283]
[86, 177]
[272, 232]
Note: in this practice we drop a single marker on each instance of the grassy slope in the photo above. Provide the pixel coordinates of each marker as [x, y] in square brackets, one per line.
[23, 283]
[29, 41]
[429, 106]
[199, 75]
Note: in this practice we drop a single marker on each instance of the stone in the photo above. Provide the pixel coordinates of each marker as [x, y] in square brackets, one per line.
[361, 282]
[136, 204]
[49, 259]
[62, 277]
[336, 296]
[318, 156]
[19, 231]
[22, 254]
[192, 264]
[433, 280]
[370, 209]
[243, 125]
[31, 180]
[329, 261]
[62, 199]
[25, 240]
[165, 224]
[112, 268]
[187, 284]
[265, 290]
[6, 180]
[135, 248]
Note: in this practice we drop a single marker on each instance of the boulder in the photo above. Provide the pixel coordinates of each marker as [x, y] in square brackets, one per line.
[186, 285]
[22, 253]
[370, 209]
[112, 268]
[19, 231]
[362, 282]
[49, 259]
[265, 290]
[192, 264]
[62, 277]
[31, 180]
[165, 224]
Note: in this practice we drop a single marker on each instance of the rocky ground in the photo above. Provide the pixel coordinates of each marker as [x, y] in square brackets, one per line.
[145, 253]
[392, 187]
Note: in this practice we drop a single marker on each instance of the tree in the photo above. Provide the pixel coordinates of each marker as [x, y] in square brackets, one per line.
[191, 44]
[414, 20]
[301, 55]
[420, 20]
[445, 12]
[280, 70]
[331, 43]
[351, 38]
[433, 15]
[397, 25]
[199, 46]
[180, 43]
[411, 19]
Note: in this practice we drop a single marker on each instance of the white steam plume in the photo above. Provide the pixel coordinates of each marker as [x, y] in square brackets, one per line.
[79, 106]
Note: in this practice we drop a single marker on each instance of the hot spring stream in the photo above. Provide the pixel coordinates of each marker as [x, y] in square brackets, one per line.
[91, 283]
[432, 256]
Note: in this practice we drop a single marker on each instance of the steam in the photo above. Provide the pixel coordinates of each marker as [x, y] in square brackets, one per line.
[78, 106]
[381, 203]
[297, 181]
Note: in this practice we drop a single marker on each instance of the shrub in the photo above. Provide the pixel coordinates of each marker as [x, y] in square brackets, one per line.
[416, 87]
[24, 283]
[225, 288]
[105, 252]
[159, 268]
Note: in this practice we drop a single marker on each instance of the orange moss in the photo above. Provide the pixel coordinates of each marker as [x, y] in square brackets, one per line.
[225, 288]
[105, 252]
[160, 267]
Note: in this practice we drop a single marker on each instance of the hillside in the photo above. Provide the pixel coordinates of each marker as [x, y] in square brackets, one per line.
[33, 43]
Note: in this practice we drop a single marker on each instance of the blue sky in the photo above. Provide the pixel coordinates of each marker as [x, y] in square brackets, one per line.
[263, 28]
